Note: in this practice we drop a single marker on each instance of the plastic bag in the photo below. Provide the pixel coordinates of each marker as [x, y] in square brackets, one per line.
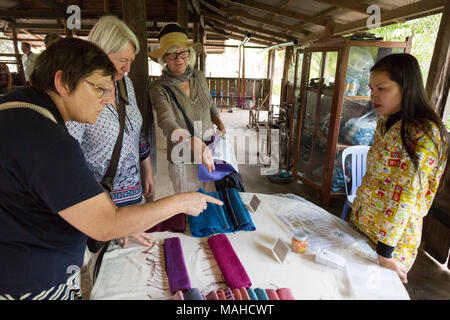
[359, 131]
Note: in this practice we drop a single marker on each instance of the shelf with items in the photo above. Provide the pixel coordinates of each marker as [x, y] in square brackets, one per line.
[335, 110]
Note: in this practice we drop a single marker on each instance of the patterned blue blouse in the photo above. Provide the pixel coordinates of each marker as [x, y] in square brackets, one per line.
[97, 142]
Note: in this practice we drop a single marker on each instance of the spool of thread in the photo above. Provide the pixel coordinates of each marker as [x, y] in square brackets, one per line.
[299, 241]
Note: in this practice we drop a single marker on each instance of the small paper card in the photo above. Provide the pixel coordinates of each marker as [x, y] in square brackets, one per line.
[280, 250]
[254, 204]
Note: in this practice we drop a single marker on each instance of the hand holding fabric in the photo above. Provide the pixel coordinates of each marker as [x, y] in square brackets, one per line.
[202, 154]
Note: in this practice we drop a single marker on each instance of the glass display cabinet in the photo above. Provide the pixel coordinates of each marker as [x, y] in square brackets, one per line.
[335, 110]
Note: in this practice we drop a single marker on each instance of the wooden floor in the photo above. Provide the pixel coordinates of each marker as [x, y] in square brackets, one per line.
[426, 280]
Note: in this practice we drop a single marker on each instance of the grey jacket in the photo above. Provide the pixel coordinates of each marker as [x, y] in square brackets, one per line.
[198, 107]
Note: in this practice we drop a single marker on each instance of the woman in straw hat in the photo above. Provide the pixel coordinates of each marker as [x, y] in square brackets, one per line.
[185, 110]
[97, 141]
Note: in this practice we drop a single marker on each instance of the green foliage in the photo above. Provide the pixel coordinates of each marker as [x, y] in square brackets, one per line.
[423, 32]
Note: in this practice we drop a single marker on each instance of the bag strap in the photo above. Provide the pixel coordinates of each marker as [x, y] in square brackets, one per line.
[20, 104]
[110, 174]
[189, 125]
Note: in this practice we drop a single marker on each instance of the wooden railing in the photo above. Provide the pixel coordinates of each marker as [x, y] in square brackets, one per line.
[225, 91]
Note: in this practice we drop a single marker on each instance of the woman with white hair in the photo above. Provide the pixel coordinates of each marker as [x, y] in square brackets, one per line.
[97, 141]
[184, 108]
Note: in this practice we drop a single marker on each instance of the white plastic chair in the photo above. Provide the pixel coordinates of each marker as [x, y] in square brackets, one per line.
[359, 158]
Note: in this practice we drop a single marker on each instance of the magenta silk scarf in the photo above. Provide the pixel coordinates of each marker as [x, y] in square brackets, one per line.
[233, 272]
[175, 265]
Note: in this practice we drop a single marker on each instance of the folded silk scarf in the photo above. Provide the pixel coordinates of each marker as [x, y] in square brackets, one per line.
[229, 294]
[261, 294]
[232, 216]
[221, 294]
[272, 294]
[285, 294]
[233, 271]
[175, 224]
[193, 294]
[252, 294]
[175, 265]
[237, 294]
[177, 296]
[212, 296]
[244, 294]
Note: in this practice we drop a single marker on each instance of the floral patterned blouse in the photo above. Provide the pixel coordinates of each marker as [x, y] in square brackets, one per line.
[391, 202]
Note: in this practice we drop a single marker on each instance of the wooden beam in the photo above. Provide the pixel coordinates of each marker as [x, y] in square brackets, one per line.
[43, 14]
[106, 7]
[347, 4]
[182, 13]
[439, 71]
[246, 26]
[282, 12]
[31, 34]
[405, 12]
[265, 21]
[324, 33]
[267, 40]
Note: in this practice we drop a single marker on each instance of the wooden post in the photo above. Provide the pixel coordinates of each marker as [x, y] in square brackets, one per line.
[18, 56]
[196, 34]
[287, 64]
[135, 16]
[438, 72]
[203, 55]
[182, 14]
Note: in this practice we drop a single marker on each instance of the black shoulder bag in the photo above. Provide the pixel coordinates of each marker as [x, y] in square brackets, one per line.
[108, 180]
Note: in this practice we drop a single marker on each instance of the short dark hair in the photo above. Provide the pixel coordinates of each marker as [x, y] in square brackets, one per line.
[51, 38]
[26, 44]
[75, 57]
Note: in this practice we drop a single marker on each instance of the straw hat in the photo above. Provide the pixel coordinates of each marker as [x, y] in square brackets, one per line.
[173, 35]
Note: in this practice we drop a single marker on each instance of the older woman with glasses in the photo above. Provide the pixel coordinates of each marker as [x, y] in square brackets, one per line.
[97, 141]
[185, 110]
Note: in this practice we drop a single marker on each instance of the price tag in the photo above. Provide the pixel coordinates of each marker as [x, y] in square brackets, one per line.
[254, 204]
[280, 250]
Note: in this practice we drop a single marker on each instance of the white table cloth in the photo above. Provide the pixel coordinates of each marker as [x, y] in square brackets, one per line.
[137, 272]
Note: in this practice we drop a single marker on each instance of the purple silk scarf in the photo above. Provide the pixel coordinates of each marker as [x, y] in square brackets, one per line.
[175, 265]
[233, 272]
[229, 294]
[212, 296]
[175, 224]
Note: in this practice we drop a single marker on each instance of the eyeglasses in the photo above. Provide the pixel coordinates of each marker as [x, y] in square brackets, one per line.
[174, 55]
[103, 91]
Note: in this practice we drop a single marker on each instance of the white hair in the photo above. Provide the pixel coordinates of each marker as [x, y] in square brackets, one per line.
[192, 56]
[113, 35]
